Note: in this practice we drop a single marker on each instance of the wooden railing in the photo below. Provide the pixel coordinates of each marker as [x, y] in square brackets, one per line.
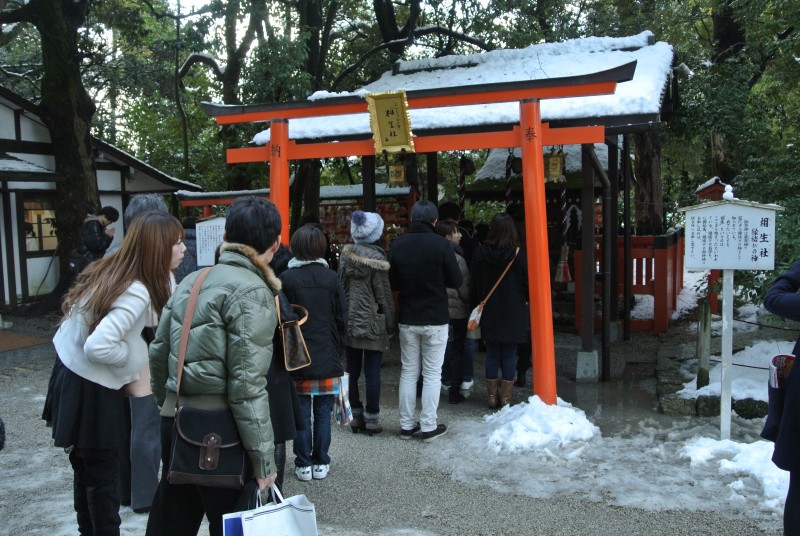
[656, 270]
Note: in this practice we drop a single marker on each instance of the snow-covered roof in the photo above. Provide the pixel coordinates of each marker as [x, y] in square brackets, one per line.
[641, 96]
[112, 153]
[118, 156]
[19, 169]
[494, 168]
[348, 191]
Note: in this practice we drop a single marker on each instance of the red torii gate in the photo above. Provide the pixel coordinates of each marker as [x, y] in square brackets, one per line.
[530, 134]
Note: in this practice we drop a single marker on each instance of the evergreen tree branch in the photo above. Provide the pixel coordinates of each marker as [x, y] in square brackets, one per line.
[205, 59]
[426, 30]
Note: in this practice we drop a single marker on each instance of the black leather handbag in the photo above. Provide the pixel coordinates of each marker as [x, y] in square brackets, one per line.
[206, 450]
[206, 447]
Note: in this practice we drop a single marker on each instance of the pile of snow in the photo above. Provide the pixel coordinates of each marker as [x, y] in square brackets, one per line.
[658, 463]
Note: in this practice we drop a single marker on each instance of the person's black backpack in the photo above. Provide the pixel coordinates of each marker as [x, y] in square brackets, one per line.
[78, 261]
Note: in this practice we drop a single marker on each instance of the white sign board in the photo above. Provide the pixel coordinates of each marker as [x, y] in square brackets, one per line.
[208, 234]
[730, 235]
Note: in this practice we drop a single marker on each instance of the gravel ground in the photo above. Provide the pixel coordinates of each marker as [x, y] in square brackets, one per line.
[377, 485]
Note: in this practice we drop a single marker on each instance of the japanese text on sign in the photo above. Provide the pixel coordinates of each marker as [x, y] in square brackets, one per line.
[208, 235]
[391, 128]
[730, 236]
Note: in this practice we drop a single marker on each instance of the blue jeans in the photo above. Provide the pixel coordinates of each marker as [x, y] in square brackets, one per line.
[470, 347]
[453, 366]
[503, 355]
[371, 362]
[314, 450]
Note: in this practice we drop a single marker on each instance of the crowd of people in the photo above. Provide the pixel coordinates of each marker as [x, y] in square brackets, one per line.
[116, 387]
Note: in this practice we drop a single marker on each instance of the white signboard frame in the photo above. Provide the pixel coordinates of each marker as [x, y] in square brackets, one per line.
[730, 235]
[208, 234]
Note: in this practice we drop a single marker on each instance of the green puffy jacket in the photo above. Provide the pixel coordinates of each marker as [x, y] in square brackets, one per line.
[229, 349]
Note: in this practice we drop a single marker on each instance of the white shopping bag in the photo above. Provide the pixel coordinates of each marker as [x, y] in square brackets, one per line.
[342, 412]
[294, 516]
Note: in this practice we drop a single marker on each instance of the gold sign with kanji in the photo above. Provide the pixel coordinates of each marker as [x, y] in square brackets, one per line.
[389, 122]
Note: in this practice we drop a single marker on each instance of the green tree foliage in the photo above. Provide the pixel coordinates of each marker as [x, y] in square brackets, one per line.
[738, 91]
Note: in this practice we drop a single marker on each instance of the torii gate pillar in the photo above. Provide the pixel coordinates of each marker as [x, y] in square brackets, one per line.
[542, 344]
[279, 172]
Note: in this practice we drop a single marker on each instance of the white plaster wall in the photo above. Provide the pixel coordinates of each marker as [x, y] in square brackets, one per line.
[6, 122]
[109, 180]
[42, 275]
[15, 245]
[33, 130]
[3, 249]
[31, 185]
[143, 183]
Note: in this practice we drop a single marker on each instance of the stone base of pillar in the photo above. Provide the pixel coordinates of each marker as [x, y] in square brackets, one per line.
[587, 369]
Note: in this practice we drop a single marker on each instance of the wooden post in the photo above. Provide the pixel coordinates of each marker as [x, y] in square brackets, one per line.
[279, 172]
[587, 250]
[541, 317]
[370, 203]
[703, 343]
[433, 177]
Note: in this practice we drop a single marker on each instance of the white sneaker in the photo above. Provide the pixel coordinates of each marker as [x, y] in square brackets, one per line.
[466, 386]
[303, 473]
[321, 471]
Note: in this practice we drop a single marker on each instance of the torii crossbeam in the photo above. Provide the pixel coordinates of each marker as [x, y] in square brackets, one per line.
[530, 134]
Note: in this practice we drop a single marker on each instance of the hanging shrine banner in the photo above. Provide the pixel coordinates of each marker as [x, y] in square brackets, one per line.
[389, 122]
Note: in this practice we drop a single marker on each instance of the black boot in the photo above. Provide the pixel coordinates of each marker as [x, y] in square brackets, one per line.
[96, 497]
[454, 396]
[280, 463]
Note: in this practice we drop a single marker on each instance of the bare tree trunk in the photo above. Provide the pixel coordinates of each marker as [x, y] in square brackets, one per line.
[305, 191]
[67, 110]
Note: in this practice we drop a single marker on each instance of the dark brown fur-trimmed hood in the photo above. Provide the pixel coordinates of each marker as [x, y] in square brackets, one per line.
[369, 256]
[269, 276]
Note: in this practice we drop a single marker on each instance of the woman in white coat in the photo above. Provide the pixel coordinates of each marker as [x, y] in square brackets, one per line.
[101, 349]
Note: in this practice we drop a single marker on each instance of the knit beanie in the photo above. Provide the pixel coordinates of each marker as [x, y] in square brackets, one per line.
[365, 227]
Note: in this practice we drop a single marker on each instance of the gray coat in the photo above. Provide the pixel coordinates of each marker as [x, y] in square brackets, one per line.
[458, 298]
[364, 272]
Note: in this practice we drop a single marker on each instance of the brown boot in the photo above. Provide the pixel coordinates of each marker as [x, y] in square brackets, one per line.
[505, 392]
[358, 422]
[371, 424]
[491, 389]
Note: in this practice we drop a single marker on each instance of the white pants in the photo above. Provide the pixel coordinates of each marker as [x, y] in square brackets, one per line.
[421, 347]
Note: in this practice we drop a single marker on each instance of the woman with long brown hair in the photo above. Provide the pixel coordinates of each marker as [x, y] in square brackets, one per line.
[505, 316]
[101, 349]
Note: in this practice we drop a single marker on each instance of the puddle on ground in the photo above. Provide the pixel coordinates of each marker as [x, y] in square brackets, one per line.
[616, 407]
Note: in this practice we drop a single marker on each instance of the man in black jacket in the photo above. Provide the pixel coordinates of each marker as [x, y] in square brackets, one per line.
[95, 238]
[422, 267]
